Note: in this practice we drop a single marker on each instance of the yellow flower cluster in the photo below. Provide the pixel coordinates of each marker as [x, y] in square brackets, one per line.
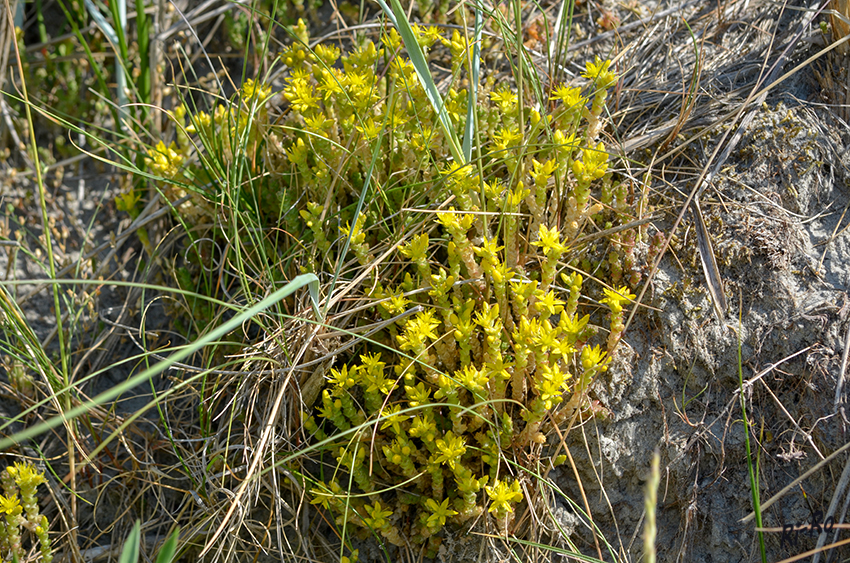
[165, 161]
[499, 348]
[22, 512]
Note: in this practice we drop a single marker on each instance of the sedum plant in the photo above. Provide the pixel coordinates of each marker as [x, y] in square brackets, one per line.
[421, 422]
[500, 346]
[19, 506]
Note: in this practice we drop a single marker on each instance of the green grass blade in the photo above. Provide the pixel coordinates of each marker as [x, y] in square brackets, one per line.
[169, 549]
[469, 130]
[754, 483]
[130, 553]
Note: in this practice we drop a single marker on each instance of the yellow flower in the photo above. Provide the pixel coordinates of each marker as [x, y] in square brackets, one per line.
[488, 251]
[552, 385]
[617, 298]
[298, 152]
[26, 475]
[504, 98]
[392, 40]
[417, 248]
[317, 123]
[301, 96]
[507, 137]
[378, 516]
[439, 513]
[592, 357]
[323, 495]
[330, 82]
[451, 449]
[503, 497]
[396, 305]
[328, 54]
[392, 418]
[426, 35]
[423, 427]
[252, 89]
[550, 241]
[342, 378]
[541, 172]
[599, 73]
[201, 120]
[549, 303]
[399, 452]
[364, 56]
[10, 505]
[593, 164]
[458, 44]
[370, 129]
[417, 395]
[570, 97]
[165, 161]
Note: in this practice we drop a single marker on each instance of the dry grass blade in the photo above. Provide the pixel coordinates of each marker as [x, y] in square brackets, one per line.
[839, 386]
[689, 97]
[650, 502]
[833, 505]
[815, 551]
[840, 20]
[7, 35]
[837, 82]
[709, 264]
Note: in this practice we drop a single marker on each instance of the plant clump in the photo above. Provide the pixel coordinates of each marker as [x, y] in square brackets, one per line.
[419, 426]
[486, 343]
[19, 507]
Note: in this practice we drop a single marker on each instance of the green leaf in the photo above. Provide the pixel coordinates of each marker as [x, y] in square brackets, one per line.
[169, 548]
[471, 104]
[130, 553]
